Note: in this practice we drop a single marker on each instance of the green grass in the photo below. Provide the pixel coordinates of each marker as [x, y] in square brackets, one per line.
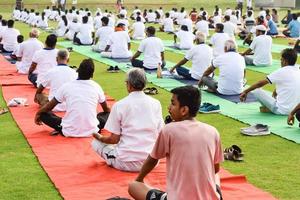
[271, 163]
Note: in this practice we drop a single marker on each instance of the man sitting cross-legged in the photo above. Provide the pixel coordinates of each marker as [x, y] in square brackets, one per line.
[287, 83]
[82, 97]
[27, 50]
[119, 42]
[43, 60]
[153, 50]
[232, 72]
[193, 151]
[134, 123]
[55, 78]
[201, 57]
[102, 35]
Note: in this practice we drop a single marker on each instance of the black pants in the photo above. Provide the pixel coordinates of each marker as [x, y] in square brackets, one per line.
[298, 115]
[3, 50]
[53, 121]
[140, 64]
[32, 78]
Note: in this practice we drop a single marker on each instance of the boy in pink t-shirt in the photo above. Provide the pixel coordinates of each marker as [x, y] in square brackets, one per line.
[193, 151]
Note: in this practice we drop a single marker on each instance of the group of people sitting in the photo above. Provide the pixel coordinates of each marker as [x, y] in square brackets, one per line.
[139, 137]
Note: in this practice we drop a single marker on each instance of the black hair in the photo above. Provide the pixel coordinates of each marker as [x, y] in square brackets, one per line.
[4, 22]
[64, 18]
[20, 38]
[294, 16]
[167, 14]
[51, 40]
[220, 27]
[86, 69]
[289, 55]
[227, 17]
[120, 25]
[43, 16]
[184, 28]
[188, 96]
[138, 19]
[85, 19]
[105, 20]
[151, 30]
[10, 23]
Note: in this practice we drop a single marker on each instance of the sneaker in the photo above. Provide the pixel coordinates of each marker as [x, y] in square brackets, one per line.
[205, 105]
[256, 130]
[116, 68]
[110, 69]
[209, 108]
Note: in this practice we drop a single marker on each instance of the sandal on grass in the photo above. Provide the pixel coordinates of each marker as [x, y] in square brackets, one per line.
[3, 111]
[151, 91]
[233, 153]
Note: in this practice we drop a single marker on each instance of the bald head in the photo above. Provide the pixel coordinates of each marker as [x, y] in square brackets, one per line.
[34, 33]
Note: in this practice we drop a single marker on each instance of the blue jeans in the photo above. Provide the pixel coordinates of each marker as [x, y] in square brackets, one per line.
[182, 71]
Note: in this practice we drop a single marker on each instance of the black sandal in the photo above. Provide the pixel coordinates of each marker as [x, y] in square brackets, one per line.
[233, 153]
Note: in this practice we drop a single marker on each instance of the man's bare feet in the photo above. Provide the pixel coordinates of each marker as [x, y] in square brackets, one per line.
[264, 109]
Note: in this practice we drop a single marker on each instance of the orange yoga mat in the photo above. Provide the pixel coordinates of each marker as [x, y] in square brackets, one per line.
[79, 173]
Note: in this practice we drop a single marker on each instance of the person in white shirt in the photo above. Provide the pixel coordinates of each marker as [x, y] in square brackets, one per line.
[201, 57]
[232, 72]
[43, 60]
[262, 13]
[43, 22]
[62, 26]
[216, 19]
[102, 35]
[138, 29]
[153, 50]
[54, 79]
[8, 38]
[186, 38]
[233, 18]
[119, 42]
[151, 16]
[30, 17]
[181, 15]
[124, 21]
[123, 12]
[167, 24]
[97, 21]
[82, 97]
[47, 11]
[229, 27]
[134, 123]
[188, 22]
[73, 27]
[133, 15]
[218, 40]
[84, 36]
[228, 12]
[27, 50]
[202, 26]
[286, 95]
[261, 46]
[3, 27]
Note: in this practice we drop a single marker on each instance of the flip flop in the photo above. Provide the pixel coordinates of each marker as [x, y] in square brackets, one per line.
[3, 111]
[233, 153]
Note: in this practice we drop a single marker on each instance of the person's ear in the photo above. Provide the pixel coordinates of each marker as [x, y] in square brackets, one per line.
[184, 111]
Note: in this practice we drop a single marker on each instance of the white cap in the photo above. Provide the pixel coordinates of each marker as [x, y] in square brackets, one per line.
[261, 28]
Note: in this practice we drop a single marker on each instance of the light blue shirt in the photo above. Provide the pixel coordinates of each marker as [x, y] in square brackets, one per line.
[294, 27]
[272, 26]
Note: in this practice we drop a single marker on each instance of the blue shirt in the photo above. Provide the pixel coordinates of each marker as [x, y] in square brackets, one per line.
[272, 26]
[294, 27]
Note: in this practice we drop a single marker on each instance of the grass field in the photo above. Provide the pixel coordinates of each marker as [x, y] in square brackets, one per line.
[271, 163]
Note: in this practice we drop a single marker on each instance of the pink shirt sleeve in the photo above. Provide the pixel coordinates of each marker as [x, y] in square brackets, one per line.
[218, 158]
[162, 145]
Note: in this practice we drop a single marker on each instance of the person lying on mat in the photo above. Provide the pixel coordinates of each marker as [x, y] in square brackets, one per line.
[8, 38]
[193, 152]
[54, 79]
[153, 49]
[134, 123]
[201, 57]
[119, 42]
[102, 35]
[261, 46]
[286, 80]
[291, 118]
[27, 50]
[82, 97]
[186, 38]
[232, 72]
[43, 60]
[218, 40]
[85, 34]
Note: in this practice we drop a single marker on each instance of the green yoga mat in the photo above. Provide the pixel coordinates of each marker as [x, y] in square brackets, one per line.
[247, 113]
[276, 48]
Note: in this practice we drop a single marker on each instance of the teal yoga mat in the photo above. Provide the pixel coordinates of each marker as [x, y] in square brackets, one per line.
[246, 113]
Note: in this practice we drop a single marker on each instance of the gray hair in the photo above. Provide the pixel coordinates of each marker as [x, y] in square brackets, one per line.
[230, 45]
[201, 37]
[136, 77]
[63, 54]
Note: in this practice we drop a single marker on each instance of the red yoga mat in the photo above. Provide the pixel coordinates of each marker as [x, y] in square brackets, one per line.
[79, 173]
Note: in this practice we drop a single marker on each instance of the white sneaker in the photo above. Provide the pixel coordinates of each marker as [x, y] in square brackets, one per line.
[256, 130]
